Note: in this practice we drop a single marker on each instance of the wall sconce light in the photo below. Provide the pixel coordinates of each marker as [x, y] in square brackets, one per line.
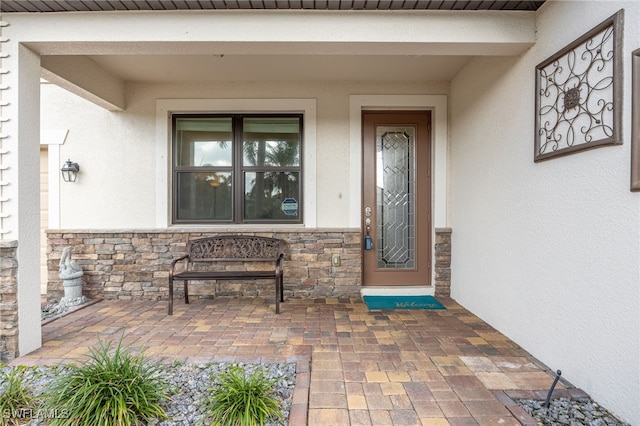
[70, 171]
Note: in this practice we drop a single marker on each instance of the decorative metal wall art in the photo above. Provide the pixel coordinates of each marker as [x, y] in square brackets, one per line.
[635, 123]
[579, 93]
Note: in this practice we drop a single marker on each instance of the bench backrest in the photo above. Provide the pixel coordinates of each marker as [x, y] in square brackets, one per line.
[232, 248]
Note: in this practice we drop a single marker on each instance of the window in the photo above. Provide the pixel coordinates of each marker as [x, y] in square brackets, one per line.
[237, 168]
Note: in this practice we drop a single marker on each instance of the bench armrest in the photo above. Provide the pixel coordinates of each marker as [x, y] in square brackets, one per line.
[279, 264]
[173, 264]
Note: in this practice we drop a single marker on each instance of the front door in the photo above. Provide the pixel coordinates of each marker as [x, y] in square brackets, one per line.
[396, 211]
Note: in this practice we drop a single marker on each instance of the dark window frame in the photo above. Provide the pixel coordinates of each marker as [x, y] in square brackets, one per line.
[237, 170]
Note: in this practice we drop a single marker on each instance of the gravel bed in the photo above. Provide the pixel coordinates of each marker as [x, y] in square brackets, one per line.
[188, 385]
[52, 311]
[563, 411]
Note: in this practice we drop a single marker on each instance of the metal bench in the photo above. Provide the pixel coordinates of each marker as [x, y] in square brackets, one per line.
[226, 251]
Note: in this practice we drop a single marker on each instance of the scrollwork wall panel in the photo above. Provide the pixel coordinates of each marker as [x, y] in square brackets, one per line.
[579, 93]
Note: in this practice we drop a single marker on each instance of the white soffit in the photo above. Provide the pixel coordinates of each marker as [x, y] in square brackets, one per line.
[112, 48]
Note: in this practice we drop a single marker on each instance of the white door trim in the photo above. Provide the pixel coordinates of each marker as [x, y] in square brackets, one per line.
[435, 103]
[54, 139]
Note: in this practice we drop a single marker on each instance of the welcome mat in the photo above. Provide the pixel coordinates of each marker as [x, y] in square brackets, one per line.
[375, 303]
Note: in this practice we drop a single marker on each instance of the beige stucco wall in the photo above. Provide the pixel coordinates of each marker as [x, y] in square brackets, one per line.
[548, 252]
[116, 151]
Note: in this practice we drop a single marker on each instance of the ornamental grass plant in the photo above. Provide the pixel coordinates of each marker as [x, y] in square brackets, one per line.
[16, 400]
[114, 388]
[241, 399]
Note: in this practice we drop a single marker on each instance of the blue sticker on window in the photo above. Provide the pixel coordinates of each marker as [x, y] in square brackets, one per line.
[290, 207]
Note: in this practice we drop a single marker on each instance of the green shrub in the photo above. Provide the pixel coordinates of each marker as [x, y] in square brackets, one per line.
[238, 399]
[16, 400]
[112, 389]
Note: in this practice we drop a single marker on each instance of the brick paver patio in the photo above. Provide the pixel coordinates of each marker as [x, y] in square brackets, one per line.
[355, 367]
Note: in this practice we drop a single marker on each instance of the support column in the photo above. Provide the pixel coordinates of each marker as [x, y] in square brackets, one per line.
[443, 262]
[21, 176]
[8, 301]
[28, 201]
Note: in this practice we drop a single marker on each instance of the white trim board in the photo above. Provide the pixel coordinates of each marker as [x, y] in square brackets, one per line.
[164, 108]
[397, 291]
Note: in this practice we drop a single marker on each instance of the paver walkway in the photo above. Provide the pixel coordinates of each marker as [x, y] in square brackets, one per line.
[355, 367]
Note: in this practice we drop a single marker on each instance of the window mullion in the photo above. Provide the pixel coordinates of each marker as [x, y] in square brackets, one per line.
[238, 199]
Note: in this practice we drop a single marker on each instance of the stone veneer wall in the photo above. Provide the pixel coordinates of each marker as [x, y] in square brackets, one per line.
[134, 264]
[443, 262]
[8, 301]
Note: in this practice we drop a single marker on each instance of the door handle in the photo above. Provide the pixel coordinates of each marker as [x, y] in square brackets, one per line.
[368, 242]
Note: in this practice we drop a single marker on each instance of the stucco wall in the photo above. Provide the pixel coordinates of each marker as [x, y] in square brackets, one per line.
[116, 152]
[548, 252]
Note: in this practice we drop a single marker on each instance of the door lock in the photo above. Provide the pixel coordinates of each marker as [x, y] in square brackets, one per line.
[368, 242]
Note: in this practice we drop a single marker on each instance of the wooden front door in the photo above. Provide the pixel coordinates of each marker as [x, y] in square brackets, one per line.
[396, 210]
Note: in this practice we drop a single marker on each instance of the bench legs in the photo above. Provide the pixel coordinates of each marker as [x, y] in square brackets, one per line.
[170, 297]
[279, 294]
[186, 294]
[281, 289]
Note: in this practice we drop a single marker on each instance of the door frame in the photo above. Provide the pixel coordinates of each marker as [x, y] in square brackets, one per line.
[420, 273]
[437, 104]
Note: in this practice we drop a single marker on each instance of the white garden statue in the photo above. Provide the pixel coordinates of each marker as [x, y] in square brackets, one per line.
[71, 275]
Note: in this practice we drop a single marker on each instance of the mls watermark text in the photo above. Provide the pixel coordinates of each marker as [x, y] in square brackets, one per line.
[30, 413]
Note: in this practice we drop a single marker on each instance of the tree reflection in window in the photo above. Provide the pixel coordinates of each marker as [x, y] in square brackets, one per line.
[271, 152]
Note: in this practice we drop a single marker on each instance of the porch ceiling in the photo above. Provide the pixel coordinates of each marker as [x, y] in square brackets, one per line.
[292, 47]
[197, 68]
[111, 5]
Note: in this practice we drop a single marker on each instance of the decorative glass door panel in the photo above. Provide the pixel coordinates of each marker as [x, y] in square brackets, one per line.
[396, 198]
[395, 204]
